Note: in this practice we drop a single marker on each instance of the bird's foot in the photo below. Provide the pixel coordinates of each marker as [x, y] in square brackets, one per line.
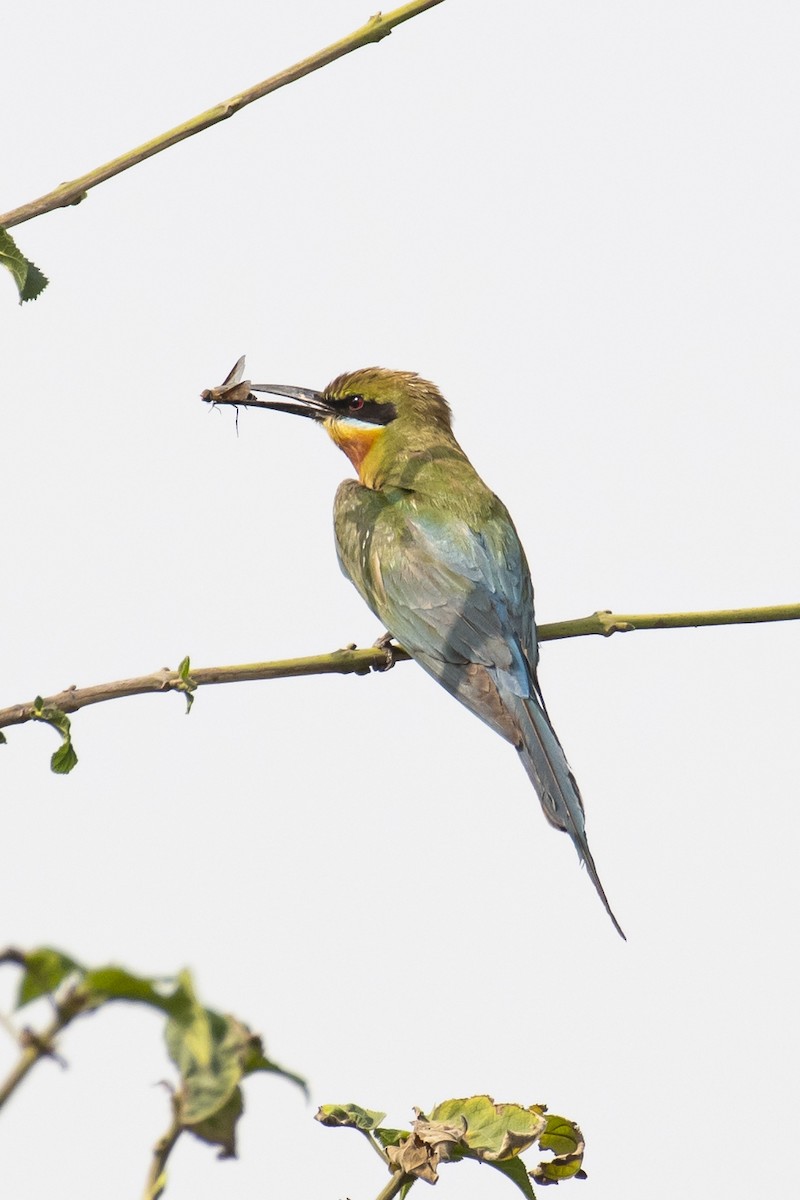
[386, 643]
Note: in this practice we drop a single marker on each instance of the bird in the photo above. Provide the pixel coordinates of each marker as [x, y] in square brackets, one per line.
[436, 556]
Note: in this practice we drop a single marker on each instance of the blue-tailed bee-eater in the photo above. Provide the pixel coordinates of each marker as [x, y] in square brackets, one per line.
[435, 555]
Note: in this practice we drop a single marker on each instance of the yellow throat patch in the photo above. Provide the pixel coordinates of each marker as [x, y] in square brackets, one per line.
[356, 439]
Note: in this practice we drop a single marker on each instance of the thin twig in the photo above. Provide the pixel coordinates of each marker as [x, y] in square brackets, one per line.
[33, 1050]
[156, 1176]
[36, 1046]
[605, 623]
[353, 661]
[73, 191]
[395, 1186]
[376, 1146]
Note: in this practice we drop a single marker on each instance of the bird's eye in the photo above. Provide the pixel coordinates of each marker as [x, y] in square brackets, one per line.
[354, 403]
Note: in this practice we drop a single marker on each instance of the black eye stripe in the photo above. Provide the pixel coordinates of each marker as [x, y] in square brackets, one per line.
[363, 409]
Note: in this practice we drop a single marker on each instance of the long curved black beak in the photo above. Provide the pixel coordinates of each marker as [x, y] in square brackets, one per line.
[303, 402]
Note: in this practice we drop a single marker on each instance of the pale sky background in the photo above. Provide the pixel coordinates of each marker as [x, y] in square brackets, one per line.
[581, 221]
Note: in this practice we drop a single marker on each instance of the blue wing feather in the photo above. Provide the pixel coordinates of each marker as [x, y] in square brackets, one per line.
[458, 596]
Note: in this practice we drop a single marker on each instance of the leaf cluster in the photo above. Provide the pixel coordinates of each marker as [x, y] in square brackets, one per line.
[213, 1052]
[471, 1128]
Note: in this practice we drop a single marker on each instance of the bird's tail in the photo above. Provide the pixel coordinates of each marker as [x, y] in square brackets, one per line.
[548, 770]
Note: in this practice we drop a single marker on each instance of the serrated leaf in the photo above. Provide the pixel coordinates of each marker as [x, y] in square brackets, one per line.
[29, 279]
[35, 283]
[472, 1127]
[64, 758]
[348, 1116]
[494, 1132]
[45, 971]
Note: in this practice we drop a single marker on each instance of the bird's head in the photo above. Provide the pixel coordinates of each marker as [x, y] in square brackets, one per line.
[369, 414]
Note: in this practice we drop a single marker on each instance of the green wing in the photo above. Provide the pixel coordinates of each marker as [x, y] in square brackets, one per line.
[452, 594]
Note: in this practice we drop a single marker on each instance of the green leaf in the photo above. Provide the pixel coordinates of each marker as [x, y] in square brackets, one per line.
[349, 1116]
[514, 1169]
[116, 983]
[565, 1139]
[45, 971]
[472, 1127]
[2, 738]
[493, 1131]
[219, 1128]
[391, 1137]
[254, 1060]
[210, 1051]
[213, 1054]
[64, 758]
[55, 717]
[187, 684]
[29, 279]
[561, 1136]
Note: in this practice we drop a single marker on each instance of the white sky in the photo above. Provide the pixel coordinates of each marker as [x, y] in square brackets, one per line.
[581, 221]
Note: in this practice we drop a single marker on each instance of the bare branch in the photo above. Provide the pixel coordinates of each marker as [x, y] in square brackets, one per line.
[353, 661]
[72, 192]
[605, 622]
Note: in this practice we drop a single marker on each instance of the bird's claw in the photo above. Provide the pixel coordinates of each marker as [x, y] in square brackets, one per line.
[386, 643]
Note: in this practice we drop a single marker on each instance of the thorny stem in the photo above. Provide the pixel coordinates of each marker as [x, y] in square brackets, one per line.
[353, 661]
[72, 192]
